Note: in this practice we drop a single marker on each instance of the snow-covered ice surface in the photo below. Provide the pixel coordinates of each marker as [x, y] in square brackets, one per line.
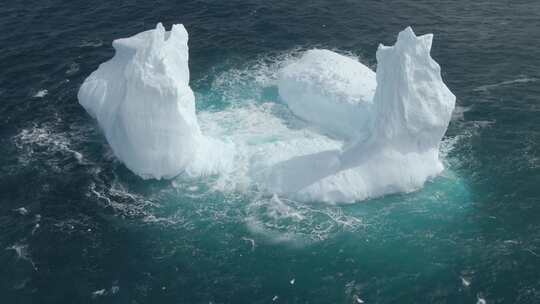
[349, 134]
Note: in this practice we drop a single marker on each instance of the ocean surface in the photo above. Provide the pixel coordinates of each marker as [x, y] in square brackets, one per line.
[76, 226]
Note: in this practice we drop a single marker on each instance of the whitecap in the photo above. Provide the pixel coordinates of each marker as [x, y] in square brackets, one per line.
[91, 43]
[22, 252]
[21, 211]
[73, 68]
[488, 87]
[99, 293]
[41, 93]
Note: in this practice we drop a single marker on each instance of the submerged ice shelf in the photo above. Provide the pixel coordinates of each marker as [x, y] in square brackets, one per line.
[368, 133]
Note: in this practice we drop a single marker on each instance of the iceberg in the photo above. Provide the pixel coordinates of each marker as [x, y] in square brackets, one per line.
[142, 100]
[374, 133]
[410, 112]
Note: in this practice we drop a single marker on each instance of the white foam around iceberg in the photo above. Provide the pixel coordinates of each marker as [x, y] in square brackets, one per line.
[375, 133]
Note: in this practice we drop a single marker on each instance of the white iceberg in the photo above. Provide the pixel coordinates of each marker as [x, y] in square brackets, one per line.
[383, 129]
[410, 113]
[142, 100]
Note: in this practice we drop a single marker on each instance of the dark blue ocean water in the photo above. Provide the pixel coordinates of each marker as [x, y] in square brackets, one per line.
[93, 232]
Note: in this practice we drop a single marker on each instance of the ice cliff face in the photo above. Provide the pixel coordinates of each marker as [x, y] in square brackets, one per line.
[385, 128]
[142, 100]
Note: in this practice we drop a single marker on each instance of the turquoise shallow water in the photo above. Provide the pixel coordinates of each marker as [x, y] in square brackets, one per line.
[92, 232]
